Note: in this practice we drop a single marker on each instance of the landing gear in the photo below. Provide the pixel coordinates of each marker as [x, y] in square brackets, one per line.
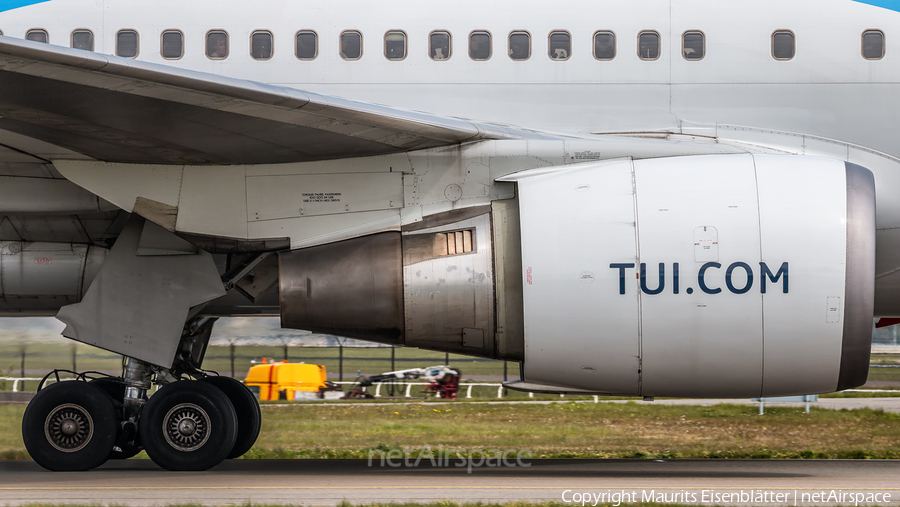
[193, 421]
[188, 425]
[70, 426]
[246, 407]
[124, 446]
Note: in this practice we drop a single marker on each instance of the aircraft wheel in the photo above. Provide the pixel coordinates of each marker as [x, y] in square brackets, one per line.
[70, 426]
[246, 407]
[113, 386]
[188, 425]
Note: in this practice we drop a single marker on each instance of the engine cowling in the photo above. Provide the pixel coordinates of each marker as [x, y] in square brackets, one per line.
[706, 276]
[37, 278]
[703, 276]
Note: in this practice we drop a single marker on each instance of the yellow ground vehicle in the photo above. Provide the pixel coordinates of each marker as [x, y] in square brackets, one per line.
[290, 381]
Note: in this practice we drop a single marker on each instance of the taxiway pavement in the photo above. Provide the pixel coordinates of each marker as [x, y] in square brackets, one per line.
[887, 404]
[329, 482]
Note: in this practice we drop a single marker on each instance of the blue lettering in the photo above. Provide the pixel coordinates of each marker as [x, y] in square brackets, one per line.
[702, 282]
[766, 273]
[675, 278]
[662, 279]
[621, 268]
[749, 272]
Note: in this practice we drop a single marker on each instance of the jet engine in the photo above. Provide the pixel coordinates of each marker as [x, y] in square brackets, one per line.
[700, 276]
[36, 278]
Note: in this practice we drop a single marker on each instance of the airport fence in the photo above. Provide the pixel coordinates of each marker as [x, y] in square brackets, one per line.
[18, 382]
[343, 363]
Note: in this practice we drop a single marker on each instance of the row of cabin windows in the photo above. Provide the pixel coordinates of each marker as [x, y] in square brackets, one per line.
[440, 47]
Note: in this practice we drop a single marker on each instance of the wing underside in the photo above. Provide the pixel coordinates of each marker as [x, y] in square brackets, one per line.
[120, 110]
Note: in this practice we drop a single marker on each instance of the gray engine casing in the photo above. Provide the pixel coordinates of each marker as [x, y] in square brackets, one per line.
[37, 278]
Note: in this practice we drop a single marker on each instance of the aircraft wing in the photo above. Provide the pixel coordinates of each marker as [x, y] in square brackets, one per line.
[121, 110]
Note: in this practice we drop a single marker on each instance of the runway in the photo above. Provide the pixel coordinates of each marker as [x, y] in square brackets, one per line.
[887, 404]
[329, 482]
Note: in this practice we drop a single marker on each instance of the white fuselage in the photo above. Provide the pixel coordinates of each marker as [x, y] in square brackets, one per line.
[828, 89]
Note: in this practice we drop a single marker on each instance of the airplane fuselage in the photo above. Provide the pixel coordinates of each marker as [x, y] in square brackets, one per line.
[826, 89]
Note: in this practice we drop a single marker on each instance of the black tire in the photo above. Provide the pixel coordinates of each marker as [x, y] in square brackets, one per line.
[115, 387]
[188, 425]
[70, 426]
[246, 407]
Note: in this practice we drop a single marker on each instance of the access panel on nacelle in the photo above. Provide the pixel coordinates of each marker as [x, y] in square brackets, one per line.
[704, 276]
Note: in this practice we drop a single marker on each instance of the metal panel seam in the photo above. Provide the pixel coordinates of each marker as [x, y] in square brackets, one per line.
[762, 373]
[637, 250]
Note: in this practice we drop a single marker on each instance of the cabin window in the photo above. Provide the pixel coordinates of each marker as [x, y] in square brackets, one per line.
[560, 45]
[783, 44]
[37, 36]
[395, 45]
[127, 43]
[261, 45]
[648, 45]
[873, 44]
[83, 39]
[520, 45]
[604, 45]
[693, 45]
[307, 45]
[172, 45]
[480, 46]
[439, 45]
[217, 45]
[351, 45]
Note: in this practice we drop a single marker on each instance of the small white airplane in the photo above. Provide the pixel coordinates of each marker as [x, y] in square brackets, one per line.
[648, 198]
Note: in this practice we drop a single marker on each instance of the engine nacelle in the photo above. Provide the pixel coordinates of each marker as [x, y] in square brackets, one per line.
[732, 276]
[431, 286]
[38, 278]
[706, 276]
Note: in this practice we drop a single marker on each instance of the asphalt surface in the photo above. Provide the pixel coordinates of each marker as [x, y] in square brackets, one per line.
[329, 482]
[888, 404]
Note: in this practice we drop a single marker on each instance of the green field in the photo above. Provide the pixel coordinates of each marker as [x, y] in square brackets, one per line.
[40, 359]
[369, 360]
[559, 430]
[442, 503]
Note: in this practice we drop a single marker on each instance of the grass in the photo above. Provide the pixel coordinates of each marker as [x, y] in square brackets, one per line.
[40, 359]
[11, 445]
[442, 503]
[561, 430]
[857, 394]
[582, 430]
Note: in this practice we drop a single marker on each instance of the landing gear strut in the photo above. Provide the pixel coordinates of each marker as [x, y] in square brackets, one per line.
[190, 423]
[149, 275]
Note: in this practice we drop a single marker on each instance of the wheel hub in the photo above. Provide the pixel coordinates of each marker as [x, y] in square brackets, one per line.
[69, 428]
[186, 427]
